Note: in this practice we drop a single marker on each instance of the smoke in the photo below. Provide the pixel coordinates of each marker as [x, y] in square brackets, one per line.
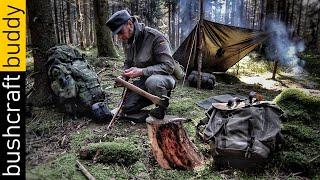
[284, 49]
[189, 12]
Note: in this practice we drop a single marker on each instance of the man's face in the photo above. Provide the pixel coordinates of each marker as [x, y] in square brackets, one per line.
[126, 32]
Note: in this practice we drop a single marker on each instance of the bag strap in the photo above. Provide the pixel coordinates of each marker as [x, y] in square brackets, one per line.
[202, 122]
[249, 149]
[210, 114]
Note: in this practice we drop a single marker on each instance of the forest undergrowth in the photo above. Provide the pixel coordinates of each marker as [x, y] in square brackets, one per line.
[54, 139]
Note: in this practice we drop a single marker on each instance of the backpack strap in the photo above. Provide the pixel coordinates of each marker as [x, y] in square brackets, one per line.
[249, 149]
[203, 122]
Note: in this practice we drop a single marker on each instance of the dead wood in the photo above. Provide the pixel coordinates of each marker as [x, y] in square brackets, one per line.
[171, 145]
[85, 171]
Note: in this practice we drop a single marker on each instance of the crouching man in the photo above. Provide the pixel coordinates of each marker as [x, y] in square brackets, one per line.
[149, 59]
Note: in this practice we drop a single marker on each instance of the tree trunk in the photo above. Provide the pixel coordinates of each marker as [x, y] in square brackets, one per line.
[287, 12]
[40, 18]
[242, 13]
[169, 20]
[276, 62]
[173, 26]
[299, 20]
[254, 13]
[246, 13]
[63, 23]
[170, 144]
[262, 11]
[86, 7]
[306, 19]
[200, 44]
[79, 24]
[69, 22]
[104, 40]
[92, 30]
[317, 33]
[227, 12]
[291, 18]
[291, 13]
[233, 12]
[55, 9]
[270, 10]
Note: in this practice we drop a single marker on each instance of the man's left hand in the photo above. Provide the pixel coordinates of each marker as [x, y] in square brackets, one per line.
[133, 72]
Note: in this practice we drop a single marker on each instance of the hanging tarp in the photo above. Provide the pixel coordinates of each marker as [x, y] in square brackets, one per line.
[223, 46]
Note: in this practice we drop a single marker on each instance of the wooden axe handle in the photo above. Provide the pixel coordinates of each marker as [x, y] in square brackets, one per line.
[151, 97]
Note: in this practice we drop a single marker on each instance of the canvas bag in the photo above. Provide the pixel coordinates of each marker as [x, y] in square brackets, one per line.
[74, 82]
[242, 136]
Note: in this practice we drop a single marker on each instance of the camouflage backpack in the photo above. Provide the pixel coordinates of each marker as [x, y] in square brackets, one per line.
[74, 82]
[242, 134]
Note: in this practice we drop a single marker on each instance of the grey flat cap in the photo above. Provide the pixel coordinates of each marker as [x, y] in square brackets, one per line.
[117, 20]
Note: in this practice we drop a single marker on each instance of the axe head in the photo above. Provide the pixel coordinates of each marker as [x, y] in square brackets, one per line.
[164, 101]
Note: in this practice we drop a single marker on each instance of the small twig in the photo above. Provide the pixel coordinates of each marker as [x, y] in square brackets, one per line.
[85, 171]
[82, 124]
[96, 156]
[63, 141]
[102, 70]
[314, 158]
[33, 73]
[118, 110]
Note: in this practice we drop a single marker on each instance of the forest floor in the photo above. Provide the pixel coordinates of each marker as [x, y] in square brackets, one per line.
[53, 139]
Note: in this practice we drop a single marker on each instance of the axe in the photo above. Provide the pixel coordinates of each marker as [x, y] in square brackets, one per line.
[163, 101]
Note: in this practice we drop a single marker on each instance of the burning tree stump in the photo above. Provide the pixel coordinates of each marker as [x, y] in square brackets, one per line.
[170, 144]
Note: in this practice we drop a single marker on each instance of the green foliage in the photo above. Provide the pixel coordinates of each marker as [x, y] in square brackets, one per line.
[124, 153]
[299, 105]
[251, 64]
[102, 171]
[312, 64]
[301, 132]
[80, 139]
[61, 168]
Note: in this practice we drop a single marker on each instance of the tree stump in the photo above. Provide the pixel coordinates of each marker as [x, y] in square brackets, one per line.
[170, 144]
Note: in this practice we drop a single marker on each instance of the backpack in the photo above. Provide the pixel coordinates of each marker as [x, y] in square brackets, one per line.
[207, 80]
[73, 81]
[242, 134]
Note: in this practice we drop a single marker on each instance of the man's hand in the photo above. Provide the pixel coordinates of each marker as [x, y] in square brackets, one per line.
[133, 72]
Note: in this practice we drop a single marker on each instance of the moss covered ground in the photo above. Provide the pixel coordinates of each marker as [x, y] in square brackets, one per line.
[54, 139]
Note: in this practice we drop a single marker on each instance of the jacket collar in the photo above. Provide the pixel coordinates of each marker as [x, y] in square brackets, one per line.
[138, 28]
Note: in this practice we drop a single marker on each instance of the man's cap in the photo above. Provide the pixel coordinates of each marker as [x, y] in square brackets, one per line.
[117, 20]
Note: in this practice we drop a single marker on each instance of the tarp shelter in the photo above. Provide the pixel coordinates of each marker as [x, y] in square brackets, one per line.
[223, 46]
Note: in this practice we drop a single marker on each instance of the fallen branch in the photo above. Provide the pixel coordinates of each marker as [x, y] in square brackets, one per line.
[85, 171]
[311, 160]
[104, 69]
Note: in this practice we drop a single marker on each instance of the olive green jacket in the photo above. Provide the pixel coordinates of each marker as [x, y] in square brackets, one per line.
[149, 50]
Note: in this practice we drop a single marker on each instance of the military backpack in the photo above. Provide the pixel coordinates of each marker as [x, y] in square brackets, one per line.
[75, 85]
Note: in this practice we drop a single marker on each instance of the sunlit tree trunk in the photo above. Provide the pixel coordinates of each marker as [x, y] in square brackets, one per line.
[79, 24]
